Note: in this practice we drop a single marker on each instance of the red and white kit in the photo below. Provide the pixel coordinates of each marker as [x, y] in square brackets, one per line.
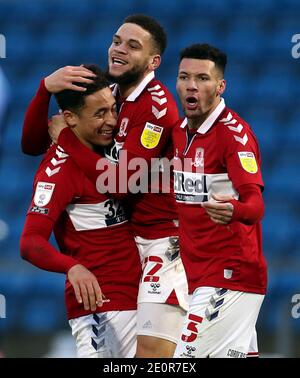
[145, 122]
[91, 229]
[218, 158]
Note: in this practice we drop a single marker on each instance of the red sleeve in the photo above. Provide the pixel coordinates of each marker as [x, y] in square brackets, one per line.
[149, 136]
[249, 209]
[96, 167]
[35, 137]
[51, 196]
[36, 249]
[239, 153]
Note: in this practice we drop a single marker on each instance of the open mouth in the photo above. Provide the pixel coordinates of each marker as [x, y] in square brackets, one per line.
[118, 62]
[105, 132]
[191, 102]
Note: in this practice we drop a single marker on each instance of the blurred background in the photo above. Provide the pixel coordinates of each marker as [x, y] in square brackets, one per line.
[263, 85]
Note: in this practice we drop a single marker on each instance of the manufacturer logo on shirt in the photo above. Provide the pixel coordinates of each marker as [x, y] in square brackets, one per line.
[248, 161]
[151, 135]
[43, 193]
[154, 288]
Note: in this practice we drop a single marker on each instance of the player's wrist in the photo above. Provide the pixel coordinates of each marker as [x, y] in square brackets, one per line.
[43, 88]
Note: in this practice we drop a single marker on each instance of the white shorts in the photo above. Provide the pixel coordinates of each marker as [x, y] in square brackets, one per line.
[253, 347]
[160, 320]
[161, 275]
[109, 334]
[219, 323]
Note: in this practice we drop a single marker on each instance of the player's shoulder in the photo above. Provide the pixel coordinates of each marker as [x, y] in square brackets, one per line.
[57, 166]
[157, 102]
[231, 126]
[158, 93]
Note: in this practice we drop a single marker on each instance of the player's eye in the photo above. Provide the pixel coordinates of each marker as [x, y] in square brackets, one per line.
[134, 46]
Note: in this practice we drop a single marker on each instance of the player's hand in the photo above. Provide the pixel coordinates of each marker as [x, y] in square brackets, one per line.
[55, 125]
[64, 78]
[86, 287]
[220, 212]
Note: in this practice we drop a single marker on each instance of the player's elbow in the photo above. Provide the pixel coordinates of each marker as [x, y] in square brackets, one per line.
[28, 149]
[25, 247]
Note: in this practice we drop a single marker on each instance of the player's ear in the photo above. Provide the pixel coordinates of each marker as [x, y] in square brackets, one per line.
[71, 118]
[221, 87]
[155, 61]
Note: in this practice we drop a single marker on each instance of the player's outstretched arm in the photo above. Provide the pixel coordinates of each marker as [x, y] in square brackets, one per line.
[35, 137]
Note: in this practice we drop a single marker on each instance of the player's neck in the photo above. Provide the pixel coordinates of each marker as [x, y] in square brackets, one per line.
[127, 89]
[82, 140]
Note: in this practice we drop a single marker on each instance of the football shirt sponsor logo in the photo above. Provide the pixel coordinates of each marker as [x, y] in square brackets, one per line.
[151, 135]
[248, 161]
[43, 193]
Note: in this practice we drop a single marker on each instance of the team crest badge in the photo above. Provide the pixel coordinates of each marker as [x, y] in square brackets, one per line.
[43, 193]
[248, 161]
[151, 135]
[199, 158]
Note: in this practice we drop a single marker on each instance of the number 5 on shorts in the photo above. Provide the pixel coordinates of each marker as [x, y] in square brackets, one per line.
[192, 326]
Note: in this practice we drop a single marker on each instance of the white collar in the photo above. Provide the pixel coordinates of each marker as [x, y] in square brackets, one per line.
[138, 90]
[210, 120]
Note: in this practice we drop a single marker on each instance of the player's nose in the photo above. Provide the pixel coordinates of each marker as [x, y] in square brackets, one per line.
[191, 85]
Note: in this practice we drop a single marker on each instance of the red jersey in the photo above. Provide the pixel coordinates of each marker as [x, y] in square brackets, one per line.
[218, 158]
[145, 122]
[88, 226]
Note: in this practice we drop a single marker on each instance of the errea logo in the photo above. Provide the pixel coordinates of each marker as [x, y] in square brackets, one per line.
[2, 307]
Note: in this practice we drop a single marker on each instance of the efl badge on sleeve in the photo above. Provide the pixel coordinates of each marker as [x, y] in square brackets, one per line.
[248, 161]
[43, 193]
[151, 135]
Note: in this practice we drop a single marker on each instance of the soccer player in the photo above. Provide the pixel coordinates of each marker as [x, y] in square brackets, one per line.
[147, 113]
[99, 254]
[218, 185]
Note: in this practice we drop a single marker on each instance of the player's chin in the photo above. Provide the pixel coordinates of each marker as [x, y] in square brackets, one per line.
[104, 141]
[117, 71]
[191, 113]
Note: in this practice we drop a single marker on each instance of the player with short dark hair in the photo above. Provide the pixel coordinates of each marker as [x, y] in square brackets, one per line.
[157, 32]
[147, 113]
[98, 252]
[218, 185]
[206, 52]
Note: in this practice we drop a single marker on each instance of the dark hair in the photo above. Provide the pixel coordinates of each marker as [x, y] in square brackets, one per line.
[153, 27]
[205, 51]
[69, 99]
